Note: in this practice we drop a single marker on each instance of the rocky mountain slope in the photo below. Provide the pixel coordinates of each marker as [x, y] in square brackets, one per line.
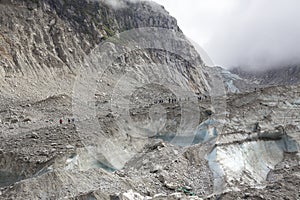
[51, 50]
[233, 83]
[43, 43]
[240, 79]
[278, 76]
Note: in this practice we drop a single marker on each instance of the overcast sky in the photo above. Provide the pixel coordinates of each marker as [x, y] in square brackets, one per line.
[248, 33]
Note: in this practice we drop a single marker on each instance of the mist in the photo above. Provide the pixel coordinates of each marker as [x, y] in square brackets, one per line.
[118, 4]
[252, 34]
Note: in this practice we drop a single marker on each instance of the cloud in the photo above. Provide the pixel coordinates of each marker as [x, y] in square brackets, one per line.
[118, 4]
[115, 4]
[248, 33]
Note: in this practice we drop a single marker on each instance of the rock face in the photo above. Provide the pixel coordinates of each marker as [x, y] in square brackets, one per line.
[43, 43]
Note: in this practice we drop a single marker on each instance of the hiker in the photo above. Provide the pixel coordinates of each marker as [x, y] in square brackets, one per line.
[60, 121]
[256, 127]
[73, 120]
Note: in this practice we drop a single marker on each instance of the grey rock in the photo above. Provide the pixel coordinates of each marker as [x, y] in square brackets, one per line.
[171, 186]
[34, 135]
[159, 196]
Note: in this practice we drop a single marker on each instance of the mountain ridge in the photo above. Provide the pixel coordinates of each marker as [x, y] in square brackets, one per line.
[289, 75]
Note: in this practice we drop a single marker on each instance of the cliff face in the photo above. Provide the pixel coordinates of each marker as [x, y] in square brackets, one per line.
[43, 42]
